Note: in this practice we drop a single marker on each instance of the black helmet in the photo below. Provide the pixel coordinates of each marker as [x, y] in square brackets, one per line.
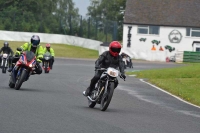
[35, 40]
[6, 44]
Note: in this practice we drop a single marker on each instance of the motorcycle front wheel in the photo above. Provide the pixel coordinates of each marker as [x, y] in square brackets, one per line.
[21, 79]
[4, 66]
[46, 67]
[106, 98]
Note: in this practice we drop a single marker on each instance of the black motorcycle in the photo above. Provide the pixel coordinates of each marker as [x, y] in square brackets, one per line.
[103, 92]
[47, 60]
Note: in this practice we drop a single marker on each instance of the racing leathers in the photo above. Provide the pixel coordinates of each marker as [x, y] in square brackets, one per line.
[6, 50]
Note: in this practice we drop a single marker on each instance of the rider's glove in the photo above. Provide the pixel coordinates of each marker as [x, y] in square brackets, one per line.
[123, 76]
[39, 61]
[97, 67]
[17, 53]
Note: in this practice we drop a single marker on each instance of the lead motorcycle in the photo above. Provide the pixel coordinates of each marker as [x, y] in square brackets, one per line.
[4, 62]
[24, 67]
[103, 92]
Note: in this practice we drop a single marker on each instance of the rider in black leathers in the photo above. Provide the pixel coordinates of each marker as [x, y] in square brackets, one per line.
[6, 50]
[107, 59]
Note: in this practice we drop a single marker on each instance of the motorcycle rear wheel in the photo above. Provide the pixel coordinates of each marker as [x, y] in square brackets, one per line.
[11, 85]
[90, 103]
[106, 98]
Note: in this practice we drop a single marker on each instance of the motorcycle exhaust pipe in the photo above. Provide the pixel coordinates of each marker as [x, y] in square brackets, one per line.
[91, 99]
[97, 97]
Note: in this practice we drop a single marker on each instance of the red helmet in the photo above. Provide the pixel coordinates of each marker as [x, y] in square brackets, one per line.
[115, 48]
[48, 45]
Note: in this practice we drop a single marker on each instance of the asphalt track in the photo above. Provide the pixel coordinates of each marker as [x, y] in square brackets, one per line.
[53, 103]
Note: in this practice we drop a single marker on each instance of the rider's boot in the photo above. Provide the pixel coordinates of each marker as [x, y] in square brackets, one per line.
[87, 92]
[10, 69]
[11, 66]
[51, 65]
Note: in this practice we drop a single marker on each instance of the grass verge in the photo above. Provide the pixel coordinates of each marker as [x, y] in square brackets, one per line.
[62, 50]
[181, 81]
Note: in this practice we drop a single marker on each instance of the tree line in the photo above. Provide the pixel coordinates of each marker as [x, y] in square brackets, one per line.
[61, 17]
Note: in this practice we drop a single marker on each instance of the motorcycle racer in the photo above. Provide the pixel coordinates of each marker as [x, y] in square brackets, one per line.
[49, 49]
[35, 47]
[6, 50]
[107, 59]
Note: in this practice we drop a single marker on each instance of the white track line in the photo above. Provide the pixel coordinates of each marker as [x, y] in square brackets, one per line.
[169, 94]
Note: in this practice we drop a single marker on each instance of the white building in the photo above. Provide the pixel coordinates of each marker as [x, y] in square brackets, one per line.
[156, 29]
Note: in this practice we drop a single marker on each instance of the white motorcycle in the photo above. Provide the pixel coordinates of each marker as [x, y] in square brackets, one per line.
[104, 89]
[4, 62]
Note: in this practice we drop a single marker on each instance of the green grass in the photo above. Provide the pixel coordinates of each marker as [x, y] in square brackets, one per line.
[180, 81]
[62, 50]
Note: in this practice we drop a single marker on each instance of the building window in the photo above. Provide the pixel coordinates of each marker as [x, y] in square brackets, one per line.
[154, 30]
[197, 49]
[193, 32]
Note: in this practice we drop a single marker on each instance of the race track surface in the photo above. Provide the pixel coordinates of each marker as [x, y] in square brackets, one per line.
[53, 103]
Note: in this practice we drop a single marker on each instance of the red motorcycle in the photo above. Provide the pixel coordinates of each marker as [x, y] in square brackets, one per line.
[24, 67]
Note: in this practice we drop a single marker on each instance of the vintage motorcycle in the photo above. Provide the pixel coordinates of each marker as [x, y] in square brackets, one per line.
[46, 60]
[103, 92]
[4, 62]
[24, 67]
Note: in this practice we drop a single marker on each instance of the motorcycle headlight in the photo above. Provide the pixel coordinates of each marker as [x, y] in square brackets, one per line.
[112, 72]
[30, 65]
[46, 58]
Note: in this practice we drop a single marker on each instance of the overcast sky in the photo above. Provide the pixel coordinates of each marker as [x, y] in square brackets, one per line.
[82, 5]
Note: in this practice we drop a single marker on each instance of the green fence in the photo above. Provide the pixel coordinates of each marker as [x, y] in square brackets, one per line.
[189, 56]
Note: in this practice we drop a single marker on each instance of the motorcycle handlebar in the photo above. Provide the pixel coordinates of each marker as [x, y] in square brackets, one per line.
[100, 69]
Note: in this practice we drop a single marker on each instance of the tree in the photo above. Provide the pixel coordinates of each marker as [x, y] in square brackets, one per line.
[105, 10]
[47, 16]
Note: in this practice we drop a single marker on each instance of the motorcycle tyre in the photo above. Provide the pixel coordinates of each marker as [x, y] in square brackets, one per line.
[46, 67]
[4, 67]
[107, 96]
[20, 80]
[91, 104]
[11, 85]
